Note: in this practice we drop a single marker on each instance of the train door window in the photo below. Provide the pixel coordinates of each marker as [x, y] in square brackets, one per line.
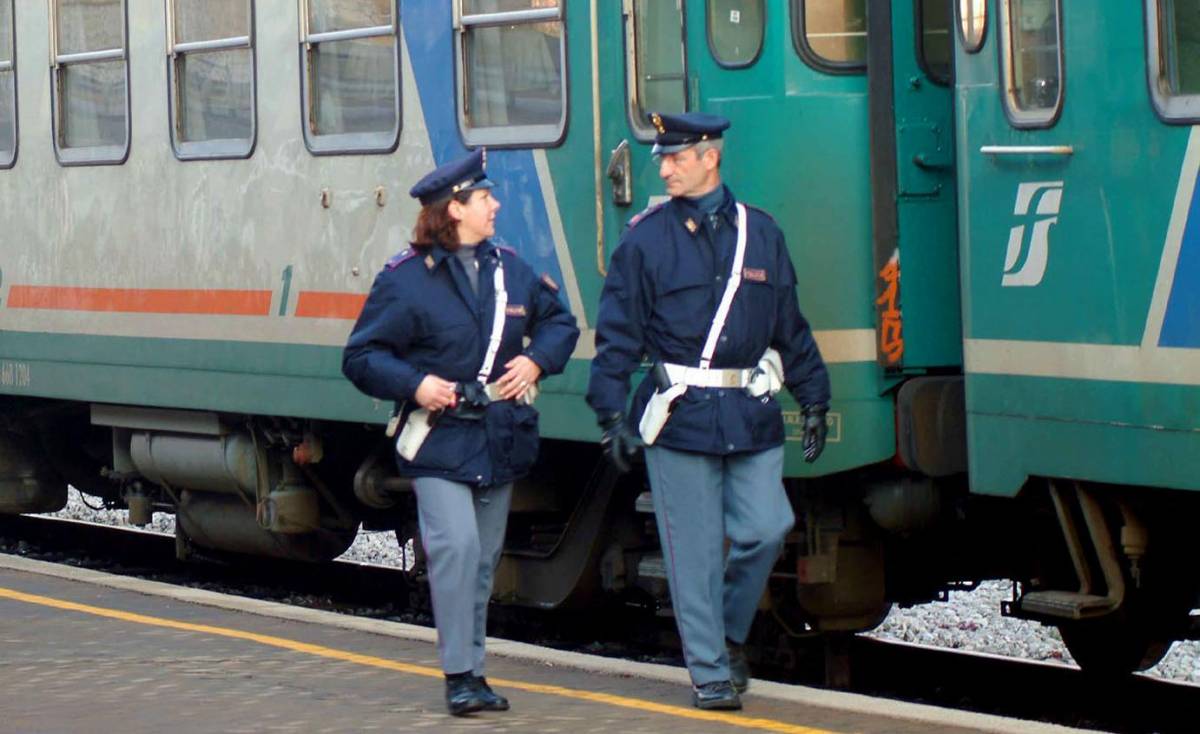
[8, 86]
[351, 76]
[735, 31]
[934, 48]
[831, 35]
[212, 78]
[972, 24]
[655, 61]
[512, 57]
[90, 89]
[1174, 63]
[1032, 53]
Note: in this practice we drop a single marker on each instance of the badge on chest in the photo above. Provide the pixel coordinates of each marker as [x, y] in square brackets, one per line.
[515, 309]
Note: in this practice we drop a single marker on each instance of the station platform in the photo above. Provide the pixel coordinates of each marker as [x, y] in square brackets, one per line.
[85, 651]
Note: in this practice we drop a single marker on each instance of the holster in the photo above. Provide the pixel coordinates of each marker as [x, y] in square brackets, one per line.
[659, 406]
[412, 436]
[767, 378]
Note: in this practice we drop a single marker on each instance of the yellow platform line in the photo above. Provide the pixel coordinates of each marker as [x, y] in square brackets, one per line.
[742, 722]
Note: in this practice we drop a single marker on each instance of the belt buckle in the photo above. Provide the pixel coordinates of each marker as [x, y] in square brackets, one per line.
[730, 378]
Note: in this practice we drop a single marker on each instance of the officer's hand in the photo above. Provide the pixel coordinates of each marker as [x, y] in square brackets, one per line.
[434, 393]
[522, 373]
[814, 431]
[619, 444]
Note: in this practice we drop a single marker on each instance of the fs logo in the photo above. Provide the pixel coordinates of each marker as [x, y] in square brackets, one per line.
[1043, 199]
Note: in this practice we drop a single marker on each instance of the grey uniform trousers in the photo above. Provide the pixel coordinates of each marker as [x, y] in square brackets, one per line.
[699, 501]
[462, 531]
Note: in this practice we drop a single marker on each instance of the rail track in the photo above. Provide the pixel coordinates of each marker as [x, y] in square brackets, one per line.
[992, 684]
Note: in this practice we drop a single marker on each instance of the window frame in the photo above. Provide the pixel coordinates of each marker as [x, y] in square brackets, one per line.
[810, 56]
[509, 136]
[922, 59]
[217, 149]
[1177, 109]
[762, 40]
[348, 143]
[1018, 118]
[98, 155]
[643, 131]
[983, 31]
[10, 67]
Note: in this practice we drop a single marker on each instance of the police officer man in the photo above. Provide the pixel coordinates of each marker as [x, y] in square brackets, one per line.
[703, 286]
[457, 330]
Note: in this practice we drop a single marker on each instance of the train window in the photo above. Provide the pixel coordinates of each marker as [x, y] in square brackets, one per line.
[512, 57]
[735, 31]
[8, 86]
[212, 78]
[656, 61]
[831, 35]
[91, 81]
[1174, 64]
[351, 68]
[1032, 62]
[933, 42]
[972, 24]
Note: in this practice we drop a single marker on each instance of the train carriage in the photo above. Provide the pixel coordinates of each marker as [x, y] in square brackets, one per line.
[196, 195]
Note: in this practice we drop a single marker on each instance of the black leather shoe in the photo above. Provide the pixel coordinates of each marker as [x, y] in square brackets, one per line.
[463, 696]
[492, 701]
[717, 696]
[739, 667]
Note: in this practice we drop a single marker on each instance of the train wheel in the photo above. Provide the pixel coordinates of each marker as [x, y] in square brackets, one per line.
[1113, 647]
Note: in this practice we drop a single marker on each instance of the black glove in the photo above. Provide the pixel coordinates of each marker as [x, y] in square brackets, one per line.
[814, 431]
[473, 394]
[619, 444]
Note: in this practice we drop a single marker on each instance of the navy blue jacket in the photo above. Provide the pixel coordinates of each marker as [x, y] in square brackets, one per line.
[422, 318]
[664, 283]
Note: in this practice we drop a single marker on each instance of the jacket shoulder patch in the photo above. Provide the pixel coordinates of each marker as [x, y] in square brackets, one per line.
[641, 216]
[400, 257]
[763, 212]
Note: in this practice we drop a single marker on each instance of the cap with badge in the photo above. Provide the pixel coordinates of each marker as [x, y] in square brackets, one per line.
[465, 174]
[680, 132]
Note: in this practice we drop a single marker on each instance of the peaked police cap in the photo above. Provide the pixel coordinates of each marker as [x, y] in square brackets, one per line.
[678, 132]
[465, 174]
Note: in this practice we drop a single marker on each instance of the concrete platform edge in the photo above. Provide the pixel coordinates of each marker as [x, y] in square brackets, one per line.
[803, 695]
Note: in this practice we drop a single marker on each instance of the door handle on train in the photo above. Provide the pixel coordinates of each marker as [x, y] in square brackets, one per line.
[1061, 150]
[620, 172]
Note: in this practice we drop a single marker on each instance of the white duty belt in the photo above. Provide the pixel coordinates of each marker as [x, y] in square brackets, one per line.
[703, 376]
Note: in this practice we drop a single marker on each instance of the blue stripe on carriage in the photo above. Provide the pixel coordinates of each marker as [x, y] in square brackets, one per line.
[1181, 324]
[522, 222]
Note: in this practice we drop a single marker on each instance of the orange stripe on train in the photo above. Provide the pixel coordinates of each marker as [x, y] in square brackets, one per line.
[329, 305]
[142, 300]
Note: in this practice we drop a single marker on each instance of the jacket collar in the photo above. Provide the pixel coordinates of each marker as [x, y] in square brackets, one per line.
[686, 211]
[439, 254]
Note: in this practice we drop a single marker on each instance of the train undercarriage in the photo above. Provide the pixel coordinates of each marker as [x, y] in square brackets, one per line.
[1106, 565]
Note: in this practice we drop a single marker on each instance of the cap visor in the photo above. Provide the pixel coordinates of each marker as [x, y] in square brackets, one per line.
[660, 149]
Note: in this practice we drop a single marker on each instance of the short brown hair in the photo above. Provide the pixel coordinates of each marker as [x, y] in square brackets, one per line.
[435, 226]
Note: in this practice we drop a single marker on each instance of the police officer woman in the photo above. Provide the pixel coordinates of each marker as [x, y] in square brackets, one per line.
[442, 334]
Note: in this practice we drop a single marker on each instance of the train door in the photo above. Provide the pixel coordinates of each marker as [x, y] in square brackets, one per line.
[913, 185]
[648, 37]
